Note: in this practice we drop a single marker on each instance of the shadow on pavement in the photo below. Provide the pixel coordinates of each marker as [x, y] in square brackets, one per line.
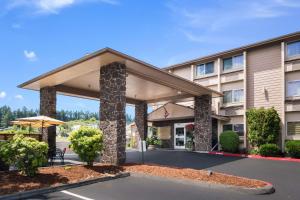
[183, 159]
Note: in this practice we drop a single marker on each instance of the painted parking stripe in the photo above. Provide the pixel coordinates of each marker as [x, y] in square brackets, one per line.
[76, 195]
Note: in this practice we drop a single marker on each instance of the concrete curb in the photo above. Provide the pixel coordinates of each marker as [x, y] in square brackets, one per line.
[253, 156]
[268, 189]
[26, 194]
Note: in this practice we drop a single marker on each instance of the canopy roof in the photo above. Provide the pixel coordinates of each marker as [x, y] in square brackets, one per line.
[172, 111]
[144, 82]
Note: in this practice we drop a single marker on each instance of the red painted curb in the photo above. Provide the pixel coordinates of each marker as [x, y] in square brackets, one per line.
[254, 156]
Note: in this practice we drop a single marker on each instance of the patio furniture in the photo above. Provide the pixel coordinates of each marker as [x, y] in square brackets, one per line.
[57, 154]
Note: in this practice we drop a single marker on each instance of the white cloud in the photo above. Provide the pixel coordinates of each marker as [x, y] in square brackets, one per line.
[19, 97]
[30, 55]
[199, 22]
[52, 6]
[2, 94]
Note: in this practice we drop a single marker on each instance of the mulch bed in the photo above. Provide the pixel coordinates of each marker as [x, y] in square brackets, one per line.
[11, 182]
[192, 174]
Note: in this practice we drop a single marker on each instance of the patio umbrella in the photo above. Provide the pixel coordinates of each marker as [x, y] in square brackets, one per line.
[38, 122]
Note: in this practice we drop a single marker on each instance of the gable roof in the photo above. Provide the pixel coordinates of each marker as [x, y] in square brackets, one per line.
[172, 111]
[237, 50]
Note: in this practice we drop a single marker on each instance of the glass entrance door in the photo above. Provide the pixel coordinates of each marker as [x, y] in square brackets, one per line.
[179, 137]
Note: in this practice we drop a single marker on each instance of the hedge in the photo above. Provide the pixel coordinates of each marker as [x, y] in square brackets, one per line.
[269, 150]
[229, 141]
[293, 148]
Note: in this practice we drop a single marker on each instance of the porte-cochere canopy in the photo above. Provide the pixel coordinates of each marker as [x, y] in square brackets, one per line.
[144, 82]
[116, 79]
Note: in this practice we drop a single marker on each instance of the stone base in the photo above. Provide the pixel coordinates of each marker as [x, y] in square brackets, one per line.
[112, 112]
[48, 108]
[203, 123]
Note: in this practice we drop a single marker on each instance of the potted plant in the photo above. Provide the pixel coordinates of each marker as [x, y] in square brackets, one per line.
[153, 142]
[189, 145]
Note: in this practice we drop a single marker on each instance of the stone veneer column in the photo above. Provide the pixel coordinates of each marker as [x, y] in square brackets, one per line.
[48, 108]
[112, 112]
[203, 126]
[141, 119]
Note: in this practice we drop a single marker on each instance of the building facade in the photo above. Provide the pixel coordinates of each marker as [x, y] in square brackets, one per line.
[265, 74]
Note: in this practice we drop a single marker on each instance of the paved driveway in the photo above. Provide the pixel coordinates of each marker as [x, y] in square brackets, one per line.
[284, 175]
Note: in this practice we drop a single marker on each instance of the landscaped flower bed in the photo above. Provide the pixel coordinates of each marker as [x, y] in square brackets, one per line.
[195, 175]
[12, 182]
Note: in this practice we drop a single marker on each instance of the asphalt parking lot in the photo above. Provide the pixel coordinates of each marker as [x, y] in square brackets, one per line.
[284, 175]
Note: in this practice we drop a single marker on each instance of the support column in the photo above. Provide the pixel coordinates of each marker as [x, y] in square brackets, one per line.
[141, 119]
[48, 108]
[203, 123]
[112, 112]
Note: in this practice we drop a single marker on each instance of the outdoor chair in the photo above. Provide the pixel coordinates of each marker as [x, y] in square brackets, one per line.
[57, 154]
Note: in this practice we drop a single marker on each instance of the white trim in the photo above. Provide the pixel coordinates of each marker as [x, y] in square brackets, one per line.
[180, 125]
[283, 88]
[245, 99]
[75, 195]
[192, 72]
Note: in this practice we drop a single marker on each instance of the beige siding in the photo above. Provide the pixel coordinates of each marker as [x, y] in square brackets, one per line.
[292, 66]
[184, 72]
[292, 76]
[264, 78]
[232, 86]
[207, 81]
[235, 120]
[293, 106]
[234, 76]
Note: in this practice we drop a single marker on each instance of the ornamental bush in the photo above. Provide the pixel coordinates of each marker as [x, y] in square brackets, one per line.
[293, 148]
[269, 150]
[229, 141]
[87, 142]
[27, 154]
[263, 126]
[153, 140]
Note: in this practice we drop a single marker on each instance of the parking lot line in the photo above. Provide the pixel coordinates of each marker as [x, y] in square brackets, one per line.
[76, 195]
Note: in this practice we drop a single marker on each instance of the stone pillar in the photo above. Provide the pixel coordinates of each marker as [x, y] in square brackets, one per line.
[203, 126]
[112, 112]
[141, 119]
[48, 108]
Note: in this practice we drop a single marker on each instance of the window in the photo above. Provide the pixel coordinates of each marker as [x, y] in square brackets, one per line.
[238, 128]
[234, 62]
[293, 49]
[293, 88]
[233, 96]
[204, 69]
[227, 127]
[293, 128]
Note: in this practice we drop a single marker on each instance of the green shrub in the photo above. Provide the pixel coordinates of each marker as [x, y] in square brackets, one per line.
[254, 151]
[269, 150]
[263, 126]
[153, 140]
[87, 143]
[27, 154]
[293, 148]
[229, 141]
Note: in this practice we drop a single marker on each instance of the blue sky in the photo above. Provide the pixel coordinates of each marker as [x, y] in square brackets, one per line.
[39, 35]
